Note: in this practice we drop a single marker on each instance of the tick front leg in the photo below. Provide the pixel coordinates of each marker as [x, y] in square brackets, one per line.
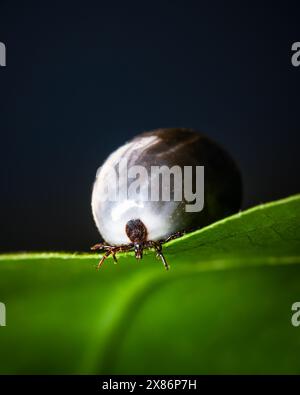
[110, 250]
[163, 259]
[158, 248]
[106, 255]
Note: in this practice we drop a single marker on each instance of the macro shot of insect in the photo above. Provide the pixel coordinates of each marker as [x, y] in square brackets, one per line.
[161, 184]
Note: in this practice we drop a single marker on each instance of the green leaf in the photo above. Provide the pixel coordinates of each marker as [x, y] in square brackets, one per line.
[223, 307]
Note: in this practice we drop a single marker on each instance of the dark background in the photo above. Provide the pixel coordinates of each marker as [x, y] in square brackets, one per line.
[82, 78]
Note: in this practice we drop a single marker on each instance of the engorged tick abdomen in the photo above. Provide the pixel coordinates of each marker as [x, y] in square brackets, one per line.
[167, 147]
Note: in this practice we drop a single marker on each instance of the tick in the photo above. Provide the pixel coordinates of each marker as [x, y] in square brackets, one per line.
[160, 185]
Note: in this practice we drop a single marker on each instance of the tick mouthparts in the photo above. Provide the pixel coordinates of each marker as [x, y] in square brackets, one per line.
[138, 249]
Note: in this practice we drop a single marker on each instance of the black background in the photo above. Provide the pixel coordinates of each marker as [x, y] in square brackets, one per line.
[84, 77]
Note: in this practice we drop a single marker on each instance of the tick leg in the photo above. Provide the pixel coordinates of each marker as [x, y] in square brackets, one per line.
[173, 236]
[106, 255]
[159, 254]
[163, 259]
[98, 246]
[102, 246]
[110, 250]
